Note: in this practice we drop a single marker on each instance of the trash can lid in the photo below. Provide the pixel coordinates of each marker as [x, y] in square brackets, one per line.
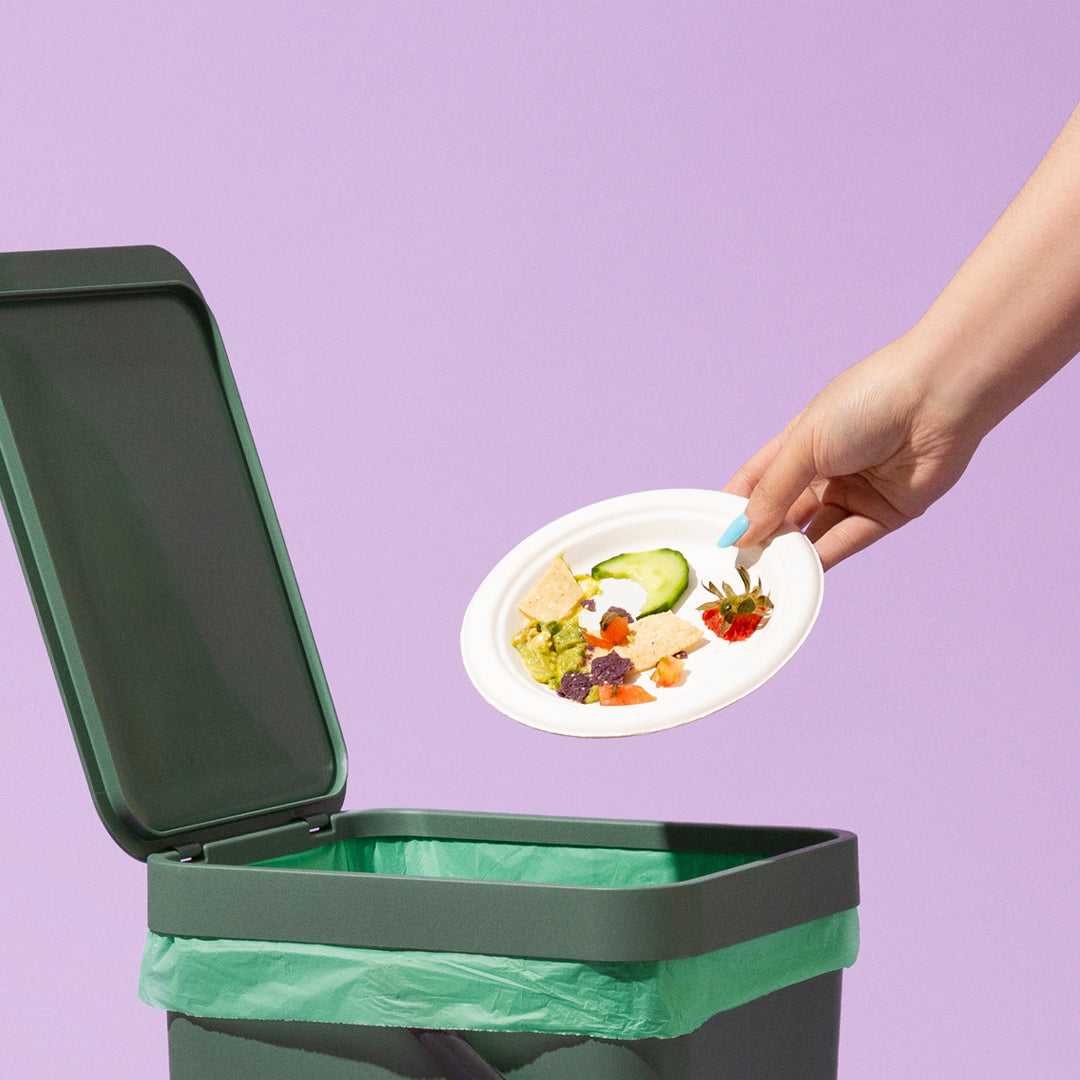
[153, 554]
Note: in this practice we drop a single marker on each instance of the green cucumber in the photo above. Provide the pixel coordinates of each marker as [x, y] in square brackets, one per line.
[663, 574]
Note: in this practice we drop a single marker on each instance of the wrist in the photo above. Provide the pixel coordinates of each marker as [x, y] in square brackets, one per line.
[979, 357]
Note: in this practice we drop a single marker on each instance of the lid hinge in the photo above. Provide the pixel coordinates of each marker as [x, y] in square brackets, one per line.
[189, 852]
[317, 822]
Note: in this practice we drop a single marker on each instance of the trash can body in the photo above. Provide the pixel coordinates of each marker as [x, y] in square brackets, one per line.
[558, 947]
[760, 920]
[789, 1034]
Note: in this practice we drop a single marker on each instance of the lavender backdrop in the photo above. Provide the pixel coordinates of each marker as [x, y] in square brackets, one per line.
[478, 264]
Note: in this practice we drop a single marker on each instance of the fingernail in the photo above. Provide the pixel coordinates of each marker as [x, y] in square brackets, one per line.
[734, 531]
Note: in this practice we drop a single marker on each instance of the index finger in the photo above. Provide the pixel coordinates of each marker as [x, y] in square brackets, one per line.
[781, 474]
[746, 477]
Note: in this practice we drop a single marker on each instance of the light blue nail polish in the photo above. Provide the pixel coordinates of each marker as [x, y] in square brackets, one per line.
[734, 531]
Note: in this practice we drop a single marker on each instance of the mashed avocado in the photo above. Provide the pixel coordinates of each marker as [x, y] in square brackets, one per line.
[550, 650]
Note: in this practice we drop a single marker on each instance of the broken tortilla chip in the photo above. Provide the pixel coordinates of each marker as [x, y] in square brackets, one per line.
[554, 597]
[657, 636]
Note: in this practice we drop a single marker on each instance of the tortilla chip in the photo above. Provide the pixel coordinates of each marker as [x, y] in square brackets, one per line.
[554, 597]
[657, 636]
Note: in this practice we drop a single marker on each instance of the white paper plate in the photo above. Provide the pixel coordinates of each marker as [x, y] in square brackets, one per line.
[717, 673]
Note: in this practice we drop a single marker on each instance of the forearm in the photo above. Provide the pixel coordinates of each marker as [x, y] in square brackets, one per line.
[1010, 318]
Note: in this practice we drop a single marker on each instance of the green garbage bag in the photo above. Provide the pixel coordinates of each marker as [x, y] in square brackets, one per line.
[268, 980]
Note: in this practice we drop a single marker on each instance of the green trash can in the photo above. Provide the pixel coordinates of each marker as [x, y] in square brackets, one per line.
[287, 937]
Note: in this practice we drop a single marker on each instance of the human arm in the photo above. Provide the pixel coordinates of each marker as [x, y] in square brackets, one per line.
[893, 433]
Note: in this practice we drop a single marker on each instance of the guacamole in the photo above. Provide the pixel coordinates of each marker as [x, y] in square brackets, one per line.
[550, 650]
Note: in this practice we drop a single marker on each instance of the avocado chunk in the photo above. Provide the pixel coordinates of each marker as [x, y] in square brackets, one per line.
[662, 573]
[550, 650]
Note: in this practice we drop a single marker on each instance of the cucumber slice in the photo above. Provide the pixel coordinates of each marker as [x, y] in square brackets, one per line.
[663, 574]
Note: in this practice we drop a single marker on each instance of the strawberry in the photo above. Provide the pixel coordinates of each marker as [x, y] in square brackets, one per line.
[738, 626]
[737, 615]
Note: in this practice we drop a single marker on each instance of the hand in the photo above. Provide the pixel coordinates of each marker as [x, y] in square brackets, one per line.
[892, 434]
[871, 451]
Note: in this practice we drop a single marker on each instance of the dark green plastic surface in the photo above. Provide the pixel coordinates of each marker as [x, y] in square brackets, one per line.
[800, 875]
[790, 1034]
[153, 554]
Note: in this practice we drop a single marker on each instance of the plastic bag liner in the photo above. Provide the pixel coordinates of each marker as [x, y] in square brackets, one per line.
[268, 980]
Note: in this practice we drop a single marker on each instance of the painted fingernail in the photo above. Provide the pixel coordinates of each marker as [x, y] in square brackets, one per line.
[734, 531]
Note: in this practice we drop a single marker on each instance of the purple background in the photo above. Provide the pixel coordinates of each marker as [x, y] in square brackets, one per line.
[477, 265]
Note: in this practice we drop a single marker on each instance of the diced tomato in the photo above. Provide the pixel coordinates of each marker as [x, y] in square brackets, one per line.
[616, 630]
[667, 671]
[613, 631]
[624, 694]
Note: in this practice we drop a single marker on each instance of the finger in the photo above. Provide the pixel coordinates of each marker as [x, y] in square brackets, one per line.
[746, 477]
[805, 508]
[846, 536]
[827, 517]
[785, 479]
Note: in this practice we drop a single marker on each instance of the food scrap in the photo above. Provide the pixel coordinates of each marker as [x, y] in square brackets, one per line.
[657, 636]
[668, 671]
[600, 661]
[624, 694]
[663, 573]
[735, 616]
[614, 629]
[598, 665]
[587, 685]
[555, 596]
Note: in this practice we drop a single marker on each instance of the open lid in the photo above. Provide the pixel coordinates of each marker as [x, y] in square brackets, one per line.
[155, 560]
